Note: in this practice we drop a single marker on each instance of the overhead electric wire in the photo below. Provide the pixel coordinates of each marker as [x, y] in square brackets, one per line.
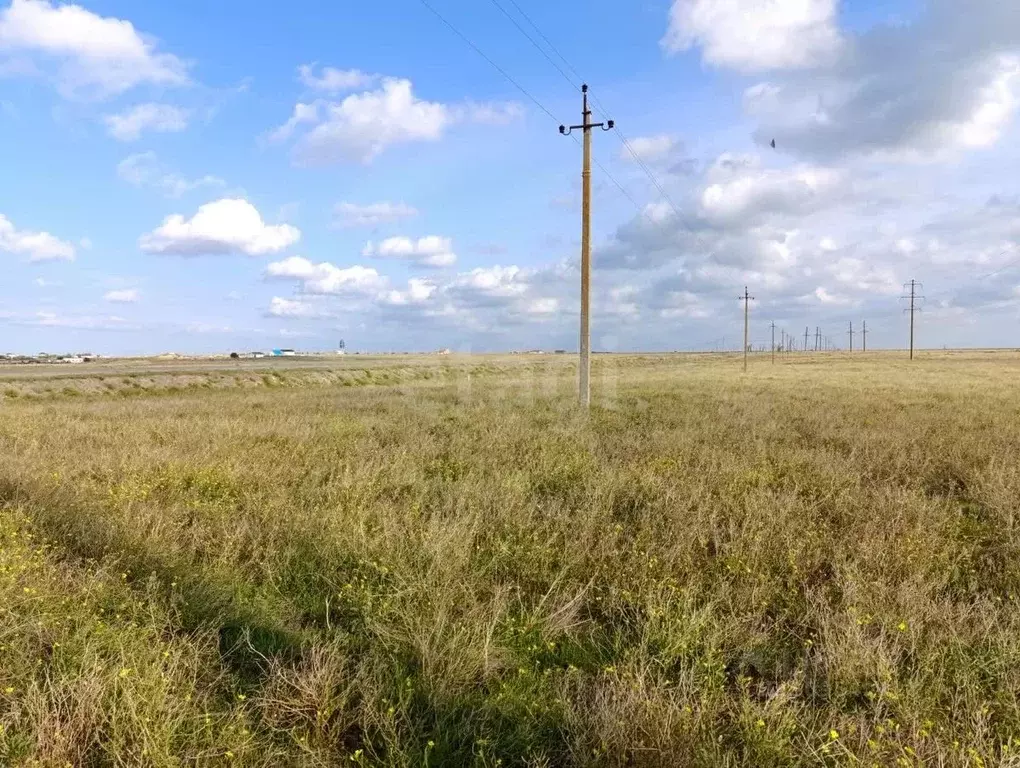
[546, 39]
[522, 89]
[532, 41]
[633, 153]
[496, 66]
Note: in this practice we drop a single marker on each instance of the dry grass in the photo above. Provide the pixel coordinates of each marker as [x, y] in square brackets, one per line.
[816, 564]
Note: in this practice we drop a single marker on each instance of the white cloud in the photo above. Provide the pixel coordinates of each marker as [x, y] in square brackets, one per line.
[333, 80]
[280, 307]
[543, 306]
[40, 246]
[995, 108]
[229, 225]
[326, 278]
[303, 114]
[85, 322]
[160, 118]
[349, 215]
[145, 170]
[751, 35]
[745, 196]
[429, 251]
[122, 296]
[493, 282]
[943, 84]
[97, 56]
[825, 297]
[649, 149]
[418, 291]
[363, 125]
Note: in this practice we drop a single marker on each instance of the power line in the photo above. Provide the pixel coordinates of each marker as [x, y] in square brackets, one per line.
[532, 40]
[637, 158]
[481, 53]
[550, 44]
[523, 90]
[648, 172]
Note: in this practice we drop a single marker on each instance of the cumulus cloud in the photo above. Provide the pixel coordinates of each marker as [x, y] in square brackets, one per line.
[122, 296]
[363, 125]
[751, 35]
[303, 114]
[350, 215]
[418, 292]
[224, 226]
[948, 81]
[292, 308]
[429, 251]
[330, 80]
[38, 246]
[326, 278]
[96, 56]
[747, 196]
[158, 118]
[145, 170]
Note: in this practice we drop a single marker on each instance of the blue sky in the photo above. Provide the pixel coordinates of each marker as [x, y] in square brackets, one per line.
[203, 177]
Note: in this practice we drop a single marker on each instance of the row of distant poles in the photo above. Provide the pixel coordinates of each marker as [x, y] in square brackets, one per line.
[913, 296]
[584, 367]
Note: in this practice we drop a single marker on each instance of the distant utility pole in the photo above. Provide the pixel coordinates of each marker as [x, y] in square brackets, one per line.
[818, 338]
[913, 296]
[851, 332]
[773, 342]
[584, 372]
[864, 335]
[806, 329]
[747, 298]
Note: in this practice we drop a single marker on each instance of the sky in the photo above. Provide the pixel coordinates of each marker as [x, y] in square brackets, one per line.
[205, 177]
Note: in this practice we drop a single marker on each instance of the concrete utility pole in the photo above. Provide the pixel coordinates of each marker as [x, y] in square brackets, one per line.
[773, 342]
[864, 335]
[805, 337]
[747, 299]
[913, 296]
[851, 332]
[584, 367]
[818, 338]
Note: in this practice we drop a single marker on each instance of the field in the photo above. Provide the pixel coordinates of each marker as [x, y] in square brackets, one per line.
[426, 562]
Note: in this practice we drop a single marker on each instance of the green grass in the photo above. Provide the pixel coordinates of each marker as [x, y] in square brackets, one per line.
[814, 564]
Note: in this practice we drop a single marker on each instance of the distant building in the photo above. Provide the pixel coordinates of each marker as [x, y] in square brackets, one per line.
[284, 353]
[443, 351]
[256, 355]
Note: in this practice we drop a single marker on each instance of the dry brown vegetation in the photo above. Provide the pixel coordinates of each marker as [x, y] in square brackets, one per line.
[814, 564]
